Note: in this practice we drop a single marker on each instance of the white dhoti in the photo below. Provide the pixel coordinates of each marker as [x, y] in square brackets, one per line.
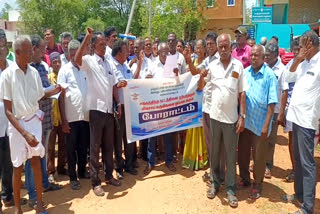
[20, 150]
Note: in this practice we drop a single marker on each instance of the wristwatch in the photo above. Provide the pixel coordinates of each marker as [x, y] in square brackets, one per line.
[243, 116]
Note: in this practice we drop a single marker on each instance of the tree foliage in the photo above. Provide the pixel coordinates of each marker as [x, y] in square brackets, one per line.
[5, 11]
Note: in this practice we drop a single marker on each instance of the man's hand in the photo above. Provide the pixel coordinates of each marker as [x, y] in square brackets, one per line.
[57, 89]
[240, 125]
[122, 84]
[65, 127]
[31, 140]
[305, 50]
[204, 73]
[264, 132]
[89, 32]
[119, 112]
[176, 71]
[187, 55]
[141, 56]
[281, 121]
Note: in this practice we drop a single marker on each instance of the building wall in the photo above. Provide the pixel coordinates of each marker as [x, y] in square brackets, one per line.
[304, 11]
[220, 26]
[220, 10]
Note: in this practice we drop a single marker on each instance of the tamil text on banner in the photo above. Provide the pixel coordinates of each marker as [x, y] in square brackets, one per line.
[157, 106]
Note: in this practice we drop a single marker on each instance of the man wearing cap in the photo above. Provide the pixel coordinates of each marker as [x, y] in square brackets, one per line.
[243, 50]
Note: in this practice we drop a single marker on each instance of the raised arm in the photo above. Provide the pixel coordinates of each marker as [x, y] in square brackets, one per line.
[83, 46]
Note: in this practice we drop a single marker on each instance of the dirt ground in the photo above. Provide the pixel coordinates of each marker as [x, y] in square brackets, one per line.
[181, 192]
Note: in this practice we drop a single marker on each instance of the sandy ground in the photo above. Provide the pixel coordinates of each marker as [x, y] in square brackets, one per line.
[181, 192]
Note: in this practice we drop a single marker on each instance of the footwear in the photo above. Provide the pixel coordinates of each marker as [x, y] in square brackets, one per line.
[148, 169]
[113, 182]
[52, 187]
[297, 212]
[290, 177]
[255, 194]
[206, 177]
[86, 175]
[33, 203]
[51, 178]
[267, 174]
[45, 212]
[243, 184]
[212, 192]
[98, 191]
[251, 167]
[232, 200]
[132, 171]
[10, 203]
[119, 175]
[171, 167]
[291, 199]
[75, 185]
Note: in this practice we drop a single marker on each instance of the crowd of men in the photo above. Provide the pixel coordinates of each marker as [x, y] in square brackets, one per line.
[72, 93]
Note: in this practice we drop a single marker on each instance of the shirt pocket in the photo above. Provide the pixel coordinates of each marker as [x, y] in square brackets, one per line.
[232, 84]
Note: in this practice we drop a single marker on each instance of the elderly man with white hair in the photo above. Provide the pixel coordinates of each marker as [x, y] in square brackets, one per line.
[228, 88]
[21, 89]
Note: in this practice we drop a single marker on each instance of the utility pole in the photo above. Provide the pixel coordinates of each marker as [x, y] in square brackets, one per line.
[130, 17]
[150, 17]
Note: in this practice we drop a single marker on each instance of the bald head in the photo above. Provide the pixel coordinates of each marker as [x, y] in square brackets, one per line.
[163, 51]
[257, 57]
[224, 46]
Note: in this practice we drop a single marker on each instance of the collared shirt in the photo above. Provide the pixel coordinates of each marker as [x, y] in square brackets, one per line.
[100, 79]
[243, 55]
[291, 84]
[76, 92]
[45, 104]
[305, 101]
[63, 59]
[226, 86]
[3, 117]
[279, 70]
[122, 72]
[156, 70]
[263, 91]
[24, 90]
[207, 90]
[144, 68]
[108, 54]
[57, 48]
[152, 58]
[181, 63]
[56, 117]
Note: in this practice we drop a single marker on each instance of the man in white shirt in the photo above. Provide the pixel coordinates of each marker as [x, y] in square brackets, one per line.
[5, 160]
[111, 36]
[228, 88]
[304, 113]
[101, 92]
[21, 89]
[148, 49]
[172, 44]
[65, 38]
[273, 61]
[140, 64]
[75, 118]
[123, 73]
[157, 71]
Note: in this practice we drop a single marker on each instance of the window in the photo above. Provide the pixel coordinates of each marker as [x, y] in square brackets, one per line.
[231, 2]
[210, 3]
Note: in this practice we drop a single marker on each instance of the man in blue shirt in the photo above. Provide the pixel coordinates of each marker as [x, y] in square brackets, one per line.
[123, 73]
[261, 98]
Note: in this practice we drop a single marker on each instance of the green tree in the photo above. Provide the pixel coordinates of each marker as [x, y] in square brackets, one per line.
[5, 11]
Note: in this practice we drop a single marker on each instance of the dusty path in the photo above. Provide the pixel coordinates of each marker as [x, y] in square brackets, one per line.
[180, 192]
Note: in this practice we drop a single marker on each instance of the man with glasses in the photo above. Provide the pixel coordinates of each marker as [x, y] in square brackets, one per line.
[243, 50]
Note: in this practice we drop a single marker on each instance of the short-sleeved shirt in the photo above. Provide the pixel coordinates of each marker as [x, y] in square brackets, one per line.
[24, 90]
[144, 68]
[76, 92]
[226, 86]
[101, 79]
[291, 84]
[279, 70]
[122, 72]
[45, 103]
[305, 101]
[3, 117]
[56, 117]
[181, 63]
[263, 91]
[206, 100]
[243, 55]
[156, 70]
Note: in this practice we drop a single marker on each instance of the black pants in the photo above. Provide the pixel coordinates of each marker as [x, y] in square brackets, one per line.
[129, 148]
[144, 149]
[77, 142]
[101, 136]
[5, 169]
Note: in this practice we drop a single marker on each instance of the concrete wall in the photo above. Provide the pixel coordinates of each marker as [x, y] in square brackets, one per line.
[220, 10]
[304, 11]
